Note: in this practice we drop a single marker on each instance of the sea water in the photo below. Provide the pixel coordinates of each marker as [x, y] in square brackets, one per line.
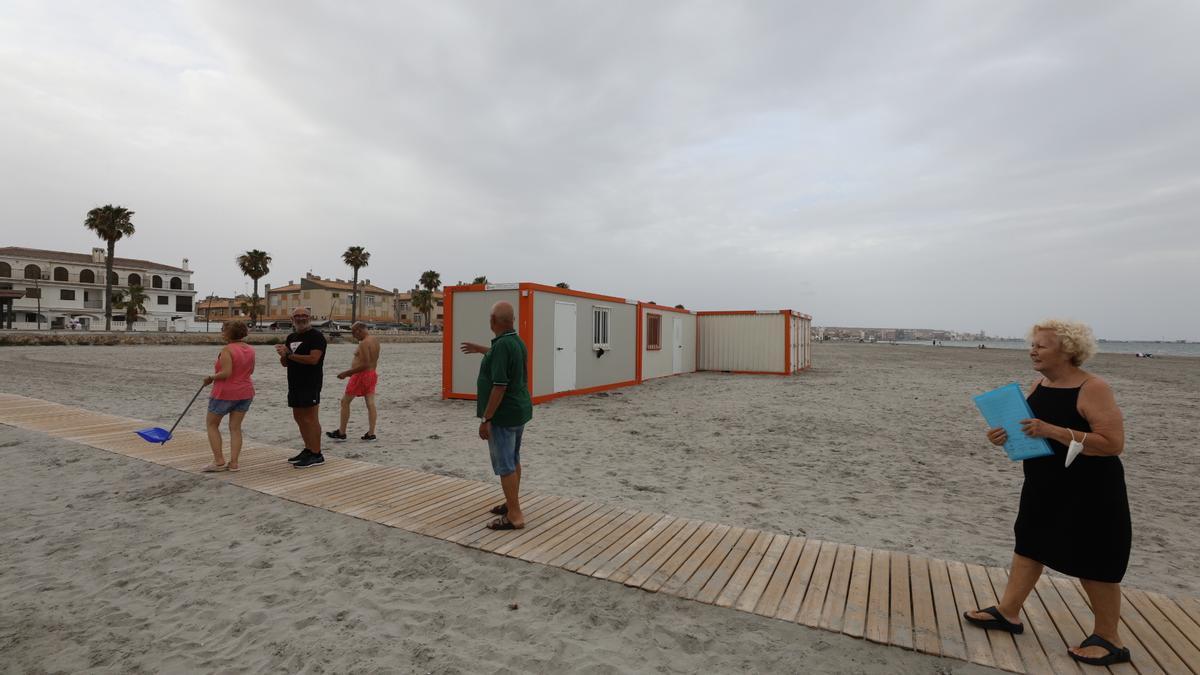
[1105, 347]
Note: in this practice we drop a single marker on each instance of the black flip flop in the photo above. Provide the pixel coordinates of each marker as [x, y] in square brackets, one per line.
[501, 510]
[503, 523]
[997, 622]
[1115, 654]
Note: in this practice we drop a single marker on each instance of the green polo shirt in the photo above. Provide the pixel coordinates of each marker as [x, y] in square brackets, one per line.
[504, 364]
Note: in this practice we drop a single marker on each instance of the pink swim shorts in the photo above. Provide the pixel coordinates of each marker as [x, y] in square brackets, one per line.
[362, 383]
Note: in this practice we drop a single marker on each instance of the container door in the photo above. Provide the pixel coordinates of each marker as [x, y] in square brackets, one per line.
[564, 346]
[677, 354]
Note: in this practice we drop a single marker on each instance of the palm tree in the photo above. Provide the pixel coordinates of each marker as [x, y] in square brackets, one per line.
[430, 281]
[252, 306]
[356, 257]
[134, 304]
[110, 223]
[255, 264]
[480, 280]
[422, 301]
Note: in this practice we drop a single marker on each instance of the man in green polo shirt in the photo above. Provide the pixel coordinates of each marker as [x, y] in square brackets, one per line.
[503, 403]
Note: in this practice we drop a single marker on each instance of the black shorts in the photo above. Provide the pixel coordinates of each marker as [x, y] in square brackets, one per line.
[304, 398]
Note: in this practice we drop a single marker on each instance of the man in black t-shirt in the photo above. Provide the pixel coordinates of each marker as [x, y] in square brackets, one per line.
[303, 354]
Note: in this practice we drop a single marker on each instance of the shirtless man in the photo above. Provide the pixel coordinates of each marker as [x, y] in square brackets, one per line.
[363, 379]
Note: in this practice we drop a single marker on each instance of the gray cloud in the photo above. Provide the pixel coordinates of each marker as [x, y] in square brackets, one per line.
[975, 166]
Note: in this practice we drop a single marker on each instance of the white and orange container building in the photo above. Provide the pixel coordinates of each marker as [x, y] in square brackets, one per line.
[582, 343]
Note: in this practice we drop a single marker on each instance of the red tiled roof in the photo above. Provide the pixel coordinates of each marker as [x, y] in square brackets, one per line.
[83, 258]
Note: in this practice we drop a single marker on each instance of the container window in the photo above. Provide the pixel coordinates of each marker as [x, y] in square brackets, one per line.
[654, 331]
[600, 328]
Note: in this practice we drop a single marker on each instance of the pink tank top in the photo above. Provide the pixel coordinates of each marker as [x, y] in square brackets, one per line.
[238, 386]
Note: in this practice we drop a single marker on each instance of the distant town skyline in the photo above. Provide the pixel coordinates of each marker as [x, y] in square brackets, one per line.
[978, 166]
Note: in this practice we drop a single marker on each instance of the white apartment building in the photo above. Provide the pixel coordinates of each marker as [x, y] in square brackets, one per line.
[71, 286]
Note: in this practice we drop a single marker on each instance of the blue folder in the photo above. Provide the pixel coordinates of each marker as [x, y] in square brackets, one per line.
[1006, 407]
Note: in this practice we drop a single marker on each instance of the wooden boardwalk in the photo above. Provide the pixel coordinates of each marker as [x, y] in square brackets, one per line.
[908, 601]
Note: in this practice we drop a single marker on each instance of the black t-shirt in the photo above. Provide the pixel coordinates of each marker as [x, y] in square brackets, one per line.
[299, 375]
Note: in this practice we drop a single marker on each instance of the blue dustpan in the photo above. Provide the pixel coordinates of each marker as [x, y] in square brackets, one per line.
[160, 435]
[154, 434]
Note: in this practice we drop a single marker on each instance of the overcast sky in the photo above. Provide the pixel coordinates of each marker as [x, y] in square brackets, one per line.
[960, 165]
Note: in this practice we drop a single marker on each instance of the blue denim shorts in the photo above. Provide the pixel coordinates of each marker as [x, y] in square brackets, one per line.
[504, 444]
[222, 407]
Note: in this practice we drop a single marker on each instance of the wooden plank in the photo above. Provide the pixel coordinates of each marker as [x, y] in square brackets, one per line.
[298, 488]
[650, 550]
[367, 504]
[476, 527]
[517, 544]
[392, 484]
[712, 589]
[978, 649]
[619, 558]
[624, 520]
[1173, 611]
[877, 601]
[854, 621]
[839, 586]
[1190, 606]
[757, 586]
[587, 530]
[470, 494]
[679, 558]
[900, 632]
[797, 588]
[1004, 650]
[748, 569]
[818, 586]
[1180, 646]
[710, 563]
[496, 540]
[768, 604]
[674, 584]
[623, 542]
[654, 563]
[925, 628]
[418, 501]
[455, 519]
[1029, 644]
[389, 503]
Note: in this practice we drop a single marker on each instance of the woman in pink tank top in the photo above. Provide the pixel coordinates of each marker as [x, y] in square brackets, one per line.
[232, 392]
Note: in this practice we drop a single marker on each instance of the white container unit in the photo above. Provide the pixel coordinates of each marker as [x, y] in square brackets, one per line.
[754, 342]
[578, 343]
[668, 341]
[581, 343]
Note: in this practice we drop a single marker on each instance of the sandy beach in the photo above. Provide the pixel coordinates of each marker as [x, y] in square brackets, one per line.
[125, 566]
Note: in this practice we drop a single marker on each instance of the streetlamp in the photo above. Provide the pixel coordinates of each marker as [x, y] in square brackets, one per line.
[207, 310]
[38, 292]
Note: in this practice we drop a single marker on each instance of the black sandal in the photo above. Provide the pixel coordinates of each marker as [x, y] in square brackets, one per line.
[1115, 654]
[501, 510]
[997, 622]
[503, 523]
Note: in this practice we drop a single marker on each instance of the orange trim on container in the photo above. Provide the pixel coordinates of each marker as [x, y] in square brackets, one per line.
[525, 331]
[637, 361]
[448, 341]
[464, 397]
[581, 392]
[746, 372]
[787, 339]
[664, 308]
[567, 291]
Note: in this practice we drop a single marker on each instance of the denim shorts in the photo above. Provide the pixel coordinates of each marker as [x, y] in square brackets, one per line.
[222, 407]
[504, 444]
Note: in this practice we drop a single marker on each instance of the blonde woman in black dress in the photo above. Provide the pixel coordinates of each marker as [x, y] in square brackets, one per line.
[1072, 519]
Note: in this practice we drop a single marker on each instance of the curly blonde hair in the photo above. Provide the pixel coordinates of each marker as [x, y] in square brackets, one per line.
[1074, 338]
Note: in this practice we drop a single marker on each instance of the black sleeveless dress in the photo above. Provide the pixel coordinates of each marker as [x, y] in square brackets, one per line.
[1073, 519]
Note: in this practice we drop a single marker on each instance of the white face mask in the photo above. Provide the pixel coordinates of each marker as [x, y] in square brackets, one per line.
[1074, 448]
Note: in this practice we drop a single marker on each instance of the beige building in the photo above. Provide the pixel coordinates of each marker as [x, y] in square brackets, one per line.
[405, 313]
[222, 309]
[330, 299]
